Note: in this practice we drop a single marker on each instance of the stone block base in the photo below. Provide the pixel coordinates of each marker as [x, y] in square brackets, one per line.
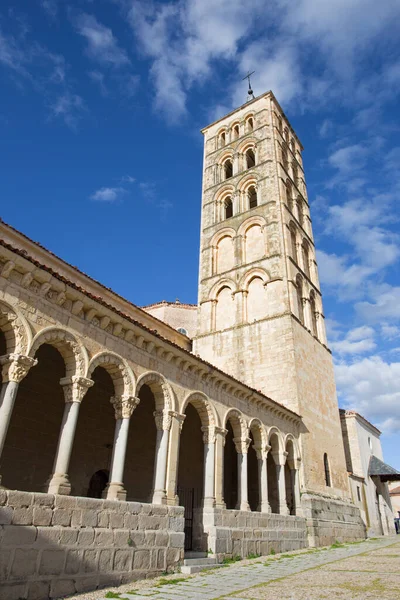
[330, 520]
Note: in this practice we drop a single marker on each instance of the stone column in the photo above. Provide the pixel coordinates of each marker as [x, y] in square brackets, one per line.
[74, 390]
[220, 434]
[124, 407]
[242, 447]
[14, 368]
[307, 313]
[177, 420]
[321, 327]
[235, 164]
[295, 471]
[209, 466]
[163, 423]
[280, 460]
[262, 454]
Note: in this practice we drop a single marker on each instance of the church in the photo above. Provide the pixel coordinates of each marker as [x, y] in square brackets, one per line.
[130, 436]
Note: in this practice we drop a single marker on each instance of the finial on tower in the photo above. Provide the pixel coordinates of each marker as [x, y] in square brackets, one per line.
[250, 93]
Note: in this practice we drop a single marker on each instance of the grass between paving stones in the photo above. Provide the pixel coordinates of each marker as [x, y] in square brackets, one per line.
[170, 581]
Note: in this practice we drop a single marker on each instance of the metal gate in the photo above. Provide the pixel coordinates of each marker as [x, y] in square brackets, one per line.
[189, 498]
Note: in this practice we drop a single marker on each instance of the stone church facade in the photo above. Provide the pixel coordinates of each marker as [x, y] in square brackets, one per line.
[123, 442]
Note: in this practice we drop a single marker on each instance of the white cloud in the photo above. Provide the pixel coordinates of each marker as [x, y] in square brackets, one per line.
[102, 46]
[108, 194]
[385, 304]
[357, 341]
[98, 78]
[128, 179]
[68, 107]
[371, 386]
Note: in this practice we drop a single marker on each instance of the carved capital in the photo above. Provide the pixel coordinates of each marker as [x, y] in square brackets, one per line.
[163, 419]
[124, 406]
[178, 417]
[208, 435]
[242, 445]
[16, 366]
[75, 388]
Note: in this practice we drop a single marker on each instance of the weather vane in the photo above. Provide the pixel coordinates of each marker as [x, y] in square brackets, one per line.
[250, 93]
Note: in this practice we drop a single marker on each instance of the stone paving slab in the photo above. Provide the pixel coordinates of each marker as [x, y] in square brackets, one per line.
[355, 576]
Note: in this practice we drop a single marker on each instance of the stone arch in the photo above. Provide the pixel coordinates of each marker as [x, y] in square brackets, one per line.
[275, 440]
[16, 329]
[203, 406]
[118, 369]
[238, 422]
[257, 429]
[254, 272]
[224, 196]
[255, 454]
[290, 439]
[217, 287]
[249, 120]
[293, 241]
[221, 137]
[161, 389]
[299, 297]
[248, 144]
[237, 436]
[254, 245]
[235, 130]
[256, 220]
[71, 349]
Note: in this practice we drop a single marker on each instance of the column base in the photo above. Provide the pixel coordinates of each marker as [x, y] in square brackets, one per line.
[115, 491]
[243, 506]
[265, 507]
[59, 484]
[208, 502]
[283, 509]
[159, 497]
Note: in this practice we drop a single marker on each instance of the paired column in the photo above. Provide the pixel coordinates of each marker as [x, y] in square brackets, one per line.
[209, 466]
[163, 421]
[124, 407]
[242, 447]
[74, 389]
[220, 434]
[177, 420]
[14, 368]
[280, 460]
[262, 454]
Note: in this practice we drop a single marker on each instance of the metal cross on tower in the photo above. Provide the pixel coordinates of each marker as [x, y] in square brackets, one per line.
[250, 93]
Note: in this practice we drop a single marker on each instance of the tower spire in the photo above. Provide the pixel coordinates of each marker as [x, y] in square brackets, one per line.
[250, 93]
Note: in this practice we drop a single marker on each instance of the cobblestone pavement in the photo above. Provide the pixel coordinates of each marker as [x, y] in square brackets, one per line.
[361, 571]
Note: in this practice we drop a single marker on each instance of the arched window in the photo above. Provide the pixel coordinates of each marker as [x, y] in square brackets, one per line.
[252, 193]
[250, 124]
[313, 310]
[293, 146]
[300, 211]
[280, 124]
[286, 134]
[228, 167]
[222, 139]
[250, 158]
[306, 259]
[299, 293]
[293, 243]
[289, 197]
[182, 330]
[236, 131]
[327, 471]
[294, 172]
[228, 208]
[285, 159]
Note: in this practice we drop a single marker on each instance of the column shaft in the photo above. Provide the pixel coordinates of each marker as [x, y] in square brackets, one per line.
[160, 467]
[209, 474]
[115, 490]
[59, 483]
[263, 483]
[243, 503]
[219, 471]
[283, 508]
[7, 399]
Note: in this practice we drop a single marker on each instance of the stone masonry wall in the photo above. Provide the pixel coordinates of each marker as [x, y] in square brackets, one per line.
[52, 546]
[331, 520]
[241, 533]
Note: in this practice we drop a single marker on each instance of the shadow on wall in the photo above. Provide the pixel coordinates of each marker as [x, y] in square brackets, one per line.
[54, 546]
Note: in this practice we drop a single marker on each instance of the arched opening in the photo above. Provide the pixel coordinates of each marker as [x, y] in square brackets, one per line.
[327, 471]
[250, 158]
[256, 300]
[272, 472]
[300, 211]
[141, 448]
[94, 437]
[191, 473]
[253, 476]
[222, 139]
[3, 346]
[228, 206]
[98, 483]
[225, 254]
[306, 259]
[290, 478]
[32, 437]
[252, 195]
[286, 134]
[285, 160]
[289, 198]
[236, 131]
[230, 469]
[280, 124]
[313, 311]
[250, 124]
[294, 173]
[254, 243]
[299, 296]
[228, 168]
[293, 146]
[293, 243]
[224, 309]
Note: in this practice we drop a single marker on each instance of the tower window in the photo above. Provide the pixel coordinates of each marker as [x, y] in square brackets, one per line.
[236, 131]
[313, 309]
[358, 493]
[228, 208]
[222, 139]
[250, 159]
[299, 293]
[306, 259]
[285, 159]
[300, 211]
[250, 124]
[327, 471]
[228, 169]
[252, 197]
[293, 243]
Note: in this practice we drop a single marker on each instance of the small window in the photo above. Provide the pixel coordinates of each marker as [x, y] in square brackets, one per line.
[236, 132]
[250, 124]
[285, 160]
[280, 124]
[358, 493]
[228, 208]
[327, 471]
[293, 243]
[250, 159]
[300, 211]
[222, 139]
[286, 134]
[182, 330]
[299, 293]
[294, 172]
[228, 169]
[293, 146]
[370, 444]
[252, 197]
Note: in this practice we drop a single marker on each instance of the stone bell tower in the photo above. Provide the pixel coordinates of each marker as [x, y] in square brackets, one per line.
[260, 308]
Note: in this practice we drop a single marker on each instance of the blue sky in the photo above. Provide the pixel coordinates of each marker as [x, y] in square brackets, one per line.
[101, 103]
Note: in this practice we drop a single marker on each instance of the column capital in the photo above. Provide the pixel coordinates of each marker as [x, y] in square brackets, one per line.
[280, 458]
[124, 406]
[75, 388]
[16, 366]
[242, 445]
[178, 417]
[208, 434]
[163, 419]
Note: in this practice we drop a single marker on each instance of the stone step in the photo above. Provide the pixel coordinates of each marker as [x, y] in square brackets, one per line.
[195, 554]
[200, 561]
[195, 565]
[197, 568]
